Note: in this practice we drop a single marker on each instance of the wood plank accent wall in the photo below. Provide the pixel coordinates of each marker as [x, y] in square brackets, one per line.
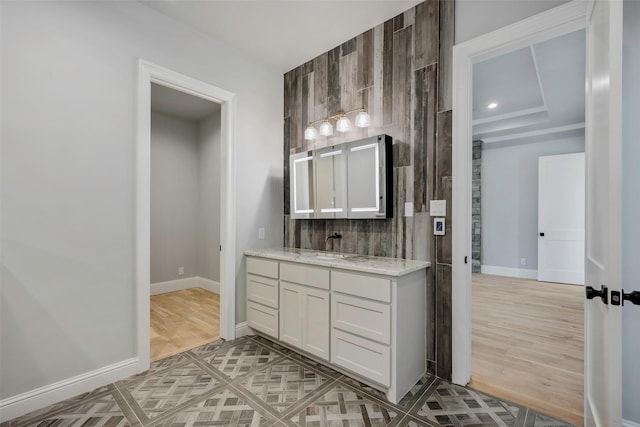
[400, 71]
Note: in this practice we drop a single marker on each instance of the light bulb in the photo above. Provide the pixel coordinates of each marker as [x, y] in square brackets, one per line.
[310, 133]
[362, 119]
[343, 124]
[326, 129]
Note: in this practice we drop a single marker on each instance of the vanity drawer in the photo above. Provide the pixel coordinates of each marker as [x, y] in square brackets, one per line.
[262, 318]
[367, 358]
[262, 267]
[305, 275]
[263, 290]
[361, 285]
[362, 317]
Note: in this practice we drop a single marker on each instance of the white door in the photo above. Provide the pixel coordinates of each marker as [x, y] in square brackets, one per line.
[603, 376]
[561, 201]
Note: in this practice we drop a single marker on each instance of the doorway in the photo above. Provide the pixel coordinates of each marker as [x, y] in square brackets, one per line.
[149, 74]
[505, 322]
[528, 225]
[185, 221]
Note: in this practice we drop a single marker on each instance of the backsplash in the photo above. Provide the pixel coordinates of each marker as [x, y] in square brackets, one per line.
[400, 72]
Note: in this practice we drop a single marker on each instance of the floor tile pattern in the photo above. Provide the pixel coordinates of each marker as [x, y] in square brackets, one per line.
[283, 384]
[254, 382]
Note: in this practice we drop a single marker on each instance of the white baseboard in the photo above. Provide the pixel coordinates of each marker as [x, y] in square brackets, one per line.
[242, 329]
[522, 273]
[627, 423]
[174, 285]
[209, 285]
[39, 398]
[186, 283]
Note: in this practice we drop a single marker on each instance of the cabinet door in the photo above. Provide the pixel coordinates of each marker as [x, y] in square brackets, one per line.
[316, 324]
[331, 182]
[302, 197]
[291, 300]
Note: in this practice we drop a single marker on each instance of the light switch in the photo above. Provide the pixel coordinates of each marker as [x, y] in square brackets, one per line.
[261, 233]
[408, 209]
[438, 208]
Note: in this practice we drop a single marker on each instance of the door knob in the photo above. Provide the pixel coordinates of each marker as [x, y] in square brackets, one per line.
[618, 298]
[633, 297]
[603, 293]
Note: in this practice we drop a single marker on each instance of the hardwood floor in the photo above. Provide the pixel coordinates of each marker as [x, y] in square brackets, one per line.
[183, 320]
[528, 340]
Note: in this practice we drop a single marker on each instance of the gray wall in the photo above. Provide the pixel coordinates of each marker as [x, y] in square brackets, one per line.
[631, 210]
[68, 81]
[208, 265]
[477, 17]
[175, 197]
[185, 197]
[509, 176]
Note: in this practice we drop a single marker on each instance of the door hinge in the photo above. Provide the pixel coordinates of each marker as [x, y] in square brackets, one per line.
[220, 248]
[618, 298]
[603, 293]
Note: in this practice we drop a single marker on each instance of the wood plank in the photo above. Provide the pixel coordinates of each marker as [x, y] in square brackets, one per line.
[431, 315]
[424, 137]
[348, 47]
[398, 22]
[350, 98]
[426, 32]
[365, 60]
[333, 81]
[320, 64]
[183, 320]
[443, 320]
[528, 344]
[445, 53]
[387, 73]
[402, 82]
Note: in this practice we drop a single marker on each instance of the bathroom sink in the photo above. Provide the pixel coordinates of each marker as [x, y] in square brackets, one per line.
[327, 256]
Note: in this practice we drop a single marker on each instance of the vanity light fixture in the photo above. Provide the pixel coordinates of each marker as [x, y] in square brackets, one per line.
[343, 124]
[492, 105]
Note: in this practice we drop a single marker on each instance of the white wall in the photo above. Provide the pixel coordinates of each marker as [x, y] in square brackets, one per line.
[631, 210]
[208, 264]
[175, 197]
[509, 199]
[69, 72]
[474, 18]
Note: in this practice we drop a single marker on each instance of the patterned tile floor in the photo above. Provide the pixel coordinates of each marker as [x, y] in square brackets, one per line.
[252, 381]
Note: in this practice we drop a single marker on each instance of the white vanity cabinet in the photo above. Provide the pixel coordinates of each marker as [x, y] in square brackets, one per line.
[364, 317]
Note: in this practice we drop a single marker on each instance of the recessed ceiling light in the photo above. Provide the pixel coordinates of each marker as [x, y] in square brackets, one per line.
[492, 105]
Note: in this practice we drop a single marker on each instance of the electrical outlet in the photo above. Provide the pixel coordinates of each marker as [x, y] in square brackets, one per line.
[523, 261]
[261, 233]
[180, 271]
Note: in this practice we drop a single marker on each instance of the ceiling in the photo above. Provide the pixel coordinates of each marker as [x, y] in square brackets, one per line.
[179, 104]
[539, 90]
[282, 33]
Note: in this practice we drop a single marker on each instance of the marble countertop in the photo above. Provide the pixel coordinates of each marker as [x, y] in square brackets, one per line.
[363, 263]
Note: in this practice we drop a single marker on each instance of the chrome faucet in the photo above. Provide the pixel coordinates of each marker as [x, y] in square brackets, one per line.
[334, 236]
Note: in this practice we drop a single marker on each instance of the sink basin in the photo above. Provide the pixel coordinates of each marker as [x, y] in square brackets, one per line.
[327, 256]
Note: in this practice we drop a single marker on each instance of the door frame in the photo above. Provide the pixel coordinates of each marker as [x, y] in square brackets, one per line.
[552, 23]
[151, 73]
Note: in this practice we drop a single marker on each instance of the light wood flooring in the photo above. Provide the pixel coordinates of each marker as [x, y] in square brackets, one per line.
[183, 320]
[528, 340]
